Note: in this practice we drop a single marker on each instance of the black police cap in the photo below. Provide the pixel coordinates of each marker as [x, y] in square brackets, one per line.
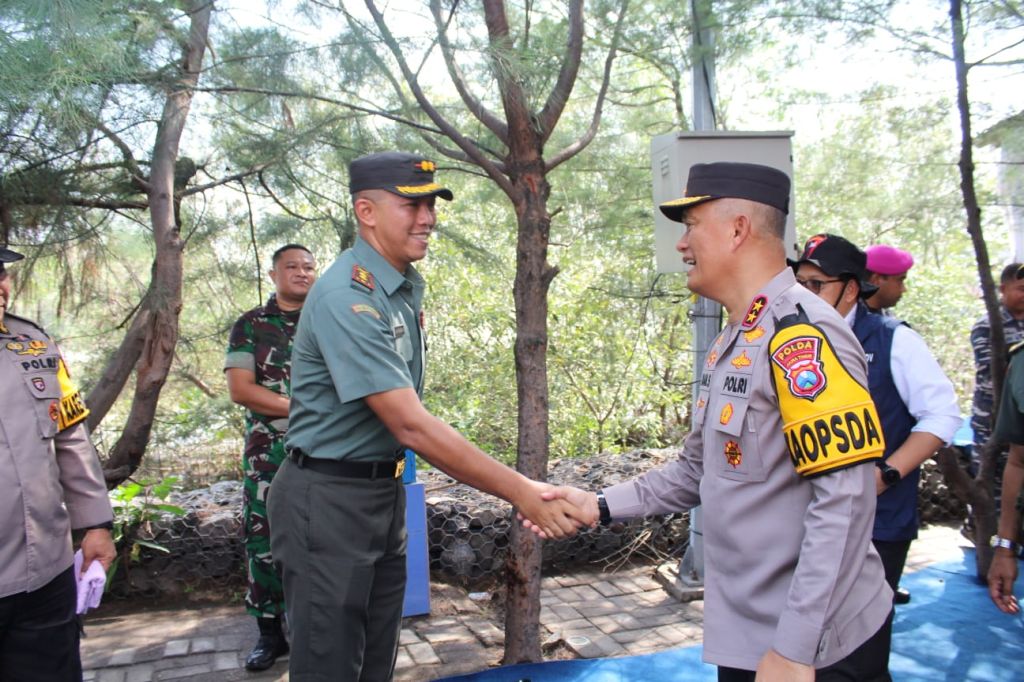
[406, 175]
[837, 257]
[724, 179]
[8, 256]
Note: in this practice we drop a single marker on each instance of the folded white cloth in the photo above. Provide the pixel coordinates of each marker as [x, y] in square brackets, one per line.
[90, 585]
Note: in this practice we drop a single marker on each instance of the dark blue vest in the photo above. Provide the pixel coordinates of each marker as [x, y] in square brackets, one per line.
[896, 516]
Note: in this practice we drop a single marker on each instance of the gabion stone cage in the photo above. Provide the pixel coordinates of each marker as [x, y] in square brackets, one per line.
[467, 531]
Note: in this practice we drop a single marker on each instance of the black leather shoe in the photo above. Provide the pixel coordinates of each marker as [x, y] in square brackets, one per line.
[901, 596]
[267, 650]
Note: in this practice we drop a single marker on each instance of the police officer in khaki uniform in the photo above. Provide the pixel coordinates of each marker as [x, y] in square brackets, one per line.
[51, 483]
[781, 456]
[337, 505]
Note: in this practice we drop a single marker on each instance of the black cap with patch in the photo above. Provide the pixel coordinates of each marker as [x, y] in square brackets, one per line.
[406, 175]
[837, 257]
[722, 180]
[8, 256]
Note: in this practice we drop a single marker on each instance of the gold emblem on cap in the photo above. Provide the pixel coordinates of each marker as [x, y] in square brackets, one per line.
[427, 166]
[418, 189]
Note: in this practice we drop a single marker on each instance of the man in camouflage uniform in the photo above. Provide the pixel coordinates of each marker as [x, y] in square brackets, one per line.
[1011, 295]
[258, 370]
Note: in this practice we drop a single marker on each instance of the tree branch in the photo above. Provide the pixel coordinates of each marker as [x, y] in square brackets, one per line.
[196, 189]
[595, 122]
[517, 110]
[319, 98]
[559, 97]
[475, 106]
[447, 128]
[134, 170]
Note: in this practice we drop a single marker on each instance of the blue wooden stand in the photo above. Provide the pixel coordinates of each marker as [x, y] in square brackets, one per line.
[417, 560]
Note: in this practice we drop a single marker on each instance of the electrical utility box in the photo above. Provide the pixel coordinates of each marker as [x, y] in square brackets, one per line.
[673, 154]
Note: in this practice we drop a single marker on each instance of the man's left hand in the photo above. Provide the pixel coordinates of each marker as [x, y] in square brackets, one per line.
[774, 667]
[98, 545]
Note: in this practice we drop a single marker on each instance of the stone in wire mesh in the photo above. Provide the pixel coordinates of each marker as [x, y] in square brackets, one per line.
[468, 531]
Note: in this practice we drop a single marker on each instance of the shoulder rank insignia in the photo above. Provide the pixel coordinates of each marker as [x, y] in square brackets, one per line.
[757, 307]
[829, 422]
[362, 277]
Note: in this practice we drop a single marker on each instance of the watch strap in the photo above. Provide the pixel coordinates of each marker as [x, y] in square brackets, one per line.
[604, 514]
[1005, 543]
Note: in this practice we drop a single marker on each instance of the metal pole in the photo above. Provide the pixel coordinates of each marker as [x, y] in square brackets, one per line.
[706, 314]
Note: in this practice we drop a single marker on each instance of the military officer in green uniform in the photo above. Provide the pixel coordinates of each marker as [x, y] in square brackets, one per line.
[337, 506]
[258, 371]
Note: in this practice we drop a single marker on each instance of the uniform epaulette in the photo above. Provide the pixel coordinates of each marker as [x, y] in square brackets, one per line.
[362, 279]
[19, 318]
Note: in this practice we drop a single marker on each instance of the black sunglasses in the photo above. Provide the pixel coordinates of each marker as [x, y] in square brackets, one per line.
[815, 285]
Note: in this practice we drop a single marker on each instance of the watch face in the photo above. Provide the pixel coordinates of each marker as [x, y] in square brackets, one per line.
[890, 475]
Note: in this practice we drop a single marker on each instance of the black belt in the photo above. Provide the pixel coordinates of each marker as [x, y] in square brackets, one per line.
[371, 470]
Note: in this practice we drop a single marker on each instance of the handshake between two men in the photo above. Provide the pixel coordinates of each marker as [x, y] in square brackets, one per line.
[560, 512]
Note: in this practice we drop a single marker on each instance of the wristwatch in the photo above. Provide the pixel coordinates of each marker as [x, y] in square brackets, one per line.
[1005, 543]
[890, 475]
[604, 514]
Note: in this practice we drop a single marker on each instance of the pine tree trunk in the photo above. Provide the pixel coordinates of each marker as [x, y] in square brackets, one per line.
[533, 279]
[164, 298]
[981, 492]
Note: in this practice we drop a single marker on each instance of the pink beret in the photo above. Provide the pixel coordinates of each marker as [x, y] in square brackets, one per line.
[888, 260]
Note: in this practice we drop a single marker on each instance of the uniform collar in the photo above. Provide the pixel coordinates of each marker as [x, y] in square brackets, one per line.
[389, 278]
[766, 297]
[272, 308]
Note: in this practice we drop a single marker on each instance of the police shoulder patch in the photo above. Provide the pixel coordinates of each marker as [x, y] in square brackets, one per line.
[828, 418]
[72, 407]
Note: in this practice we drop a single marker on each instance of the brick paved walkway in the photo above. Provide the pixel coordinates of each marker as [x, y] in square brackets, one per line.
[585, 614]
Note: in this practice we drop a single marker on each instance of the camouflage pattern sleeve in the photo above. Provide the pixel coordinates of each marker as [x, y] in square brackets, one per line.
[241, 352]
[981, 407]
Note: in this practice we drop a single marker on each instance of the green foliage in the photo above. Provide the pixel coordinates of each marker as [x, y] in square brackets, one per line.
[136, 505]
[619, 338]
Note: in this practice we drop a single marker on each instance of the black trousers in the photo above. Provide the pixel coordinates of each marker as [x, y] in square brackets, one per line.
[339, 544]
[39, 633]
[867, 663]
[894, 557]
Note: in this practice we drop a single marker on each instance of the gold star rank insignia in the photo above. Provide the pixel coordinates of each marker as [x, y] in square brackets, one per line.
[754, 311]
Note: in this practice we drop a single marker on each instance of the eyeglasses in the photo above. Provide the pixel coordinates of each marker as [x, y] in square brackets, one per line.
[815, 285]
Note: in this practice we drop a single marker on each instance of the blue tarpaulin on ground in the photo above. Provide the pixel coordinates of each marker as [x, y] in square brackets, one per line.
[950, 631]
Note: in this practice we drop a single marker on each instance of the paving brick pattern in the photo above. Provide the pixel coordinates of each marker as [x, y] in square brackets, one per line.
[586, 614]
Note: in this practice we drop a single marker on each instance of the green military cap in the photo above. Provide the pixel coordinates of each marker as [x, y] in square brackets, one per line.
[406, 175]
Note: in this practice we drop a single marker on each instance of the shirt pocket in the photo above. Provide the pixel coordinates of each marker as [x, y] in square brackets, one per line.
[45, 391]
[735, 441]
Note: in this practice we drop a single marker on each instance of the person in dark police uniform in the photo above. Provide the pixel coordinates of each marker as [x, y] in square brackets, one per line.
[51, 484]
[337, 505]
[781, 456]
